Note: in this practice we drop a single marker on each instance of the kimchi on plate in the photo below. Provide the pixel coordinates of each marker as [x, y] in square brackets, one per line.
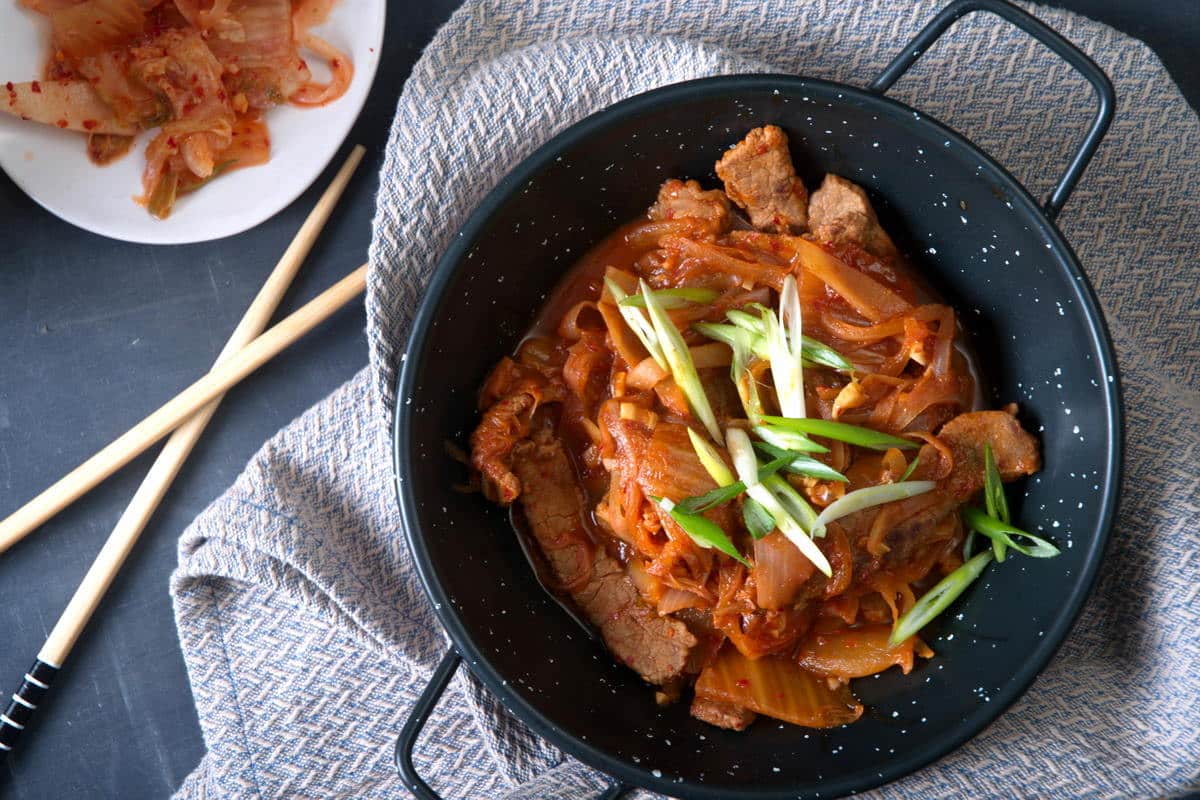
[747, 441]
[199, 74]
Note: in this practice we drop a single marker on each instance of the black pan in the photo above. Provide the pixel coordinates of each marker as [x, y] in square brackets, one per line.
[606, 170]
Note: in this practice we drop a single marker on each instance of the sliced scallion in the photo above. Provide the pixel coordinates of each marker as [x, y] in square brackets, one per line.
[782, 334]
[934, 601]
[793, 501]
[637, 322]
[968, 544]
[723, 494]
[869, 497]
[747, 321]
[993, 497]
[744, 461]
[788, 440]
[679, 358]
[673, 298]
[742, 343]
[758, 520]
[1009, 535]
[911, 469]
[746, 464]
[702, 530]
[713, 464]
[814, 351]
[841, 431]
[800, 464]
[817, 352]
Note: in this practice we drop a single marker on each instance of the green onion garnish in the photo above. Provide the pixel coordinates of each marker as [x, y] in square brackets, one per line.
[800, 464]
[788, 440]
[814, 351]
[680, 360]
[747, 467]
[993, 496]
[638, 323]
[968, 544]
[934, 601]
[782, 334]
[702, 530]
[713, 464]
[746, 321]
[792, 501]
[1003, 532]
[911, 469]
[673, 298]
[869, 497]
[723, 494]
[841, 431]
[742, 344]
[817, 352]
[758, 520]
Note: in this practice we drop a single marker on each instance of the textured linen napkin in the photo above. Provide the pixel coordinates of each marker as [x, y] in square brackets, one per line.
[306, 634]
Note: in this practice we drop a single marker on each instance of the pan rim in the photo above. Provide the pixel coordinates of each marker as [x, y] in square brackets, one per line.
[1099, 340]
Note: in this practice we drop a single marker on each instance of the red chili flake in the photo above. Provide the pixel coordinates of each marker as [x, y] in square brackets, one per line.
[62, 123]
[9, 86]
[221, 95]
[88, 124]
[335, 63]
[36, 87]
[171, 141]
[743, 683]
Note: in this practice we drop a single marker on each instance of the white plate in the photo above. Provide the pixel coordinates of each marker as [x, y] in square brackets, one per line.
[52, 166]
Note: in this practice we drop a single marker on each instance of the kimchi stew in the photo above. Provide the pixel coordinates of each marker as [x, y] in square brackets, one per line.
[202, 73]
[747, 440]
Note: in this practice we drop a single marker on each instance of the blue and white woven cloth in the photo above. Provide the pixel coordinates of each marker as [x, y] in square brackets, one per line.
[306, 633]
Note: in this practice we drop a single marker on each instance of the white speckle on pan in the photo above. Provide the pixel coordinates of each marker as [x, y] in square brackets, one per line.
[964, 219]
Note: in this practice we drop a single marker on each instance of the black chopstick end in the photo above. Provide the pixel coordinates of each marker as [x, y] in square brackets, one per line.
[24, 702]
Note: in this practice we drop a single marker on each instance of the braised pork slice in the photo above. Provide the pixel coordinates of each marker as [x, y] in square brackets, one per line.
[655, 647]
[679, 200]
[1015, 450]
[760, 178]
[839, 211]
[723, 715]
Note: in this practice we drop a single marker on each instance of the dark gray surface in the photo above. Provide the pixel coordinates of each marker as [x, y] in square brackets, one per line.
[94, 334]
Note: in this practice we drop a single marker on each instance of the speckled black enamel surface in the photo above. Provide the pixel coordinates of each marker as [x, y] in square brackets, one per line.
[979, 239]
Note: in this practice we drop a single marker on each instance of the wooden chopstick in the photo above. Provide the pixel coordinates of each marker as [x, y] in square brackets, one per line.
[166, 466]
[223, 376]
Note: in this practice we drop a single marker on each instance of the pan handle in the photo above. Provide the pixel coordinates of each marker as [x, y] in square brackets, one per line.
[1038, 30]
[415, 723]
